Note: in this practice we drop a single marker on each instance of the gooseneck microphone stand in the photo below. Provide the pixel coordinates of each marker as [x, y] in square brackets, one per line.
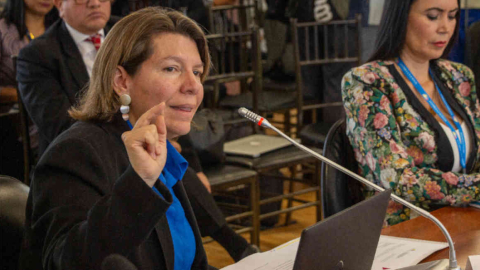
[450, 264]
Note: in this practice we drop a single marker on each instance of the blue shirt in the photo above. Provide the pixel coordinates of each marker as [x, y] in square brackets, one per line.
[184, 244]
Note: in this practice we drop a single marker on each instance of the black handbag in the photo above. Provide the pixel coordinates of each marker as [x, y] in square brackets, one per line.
[208, 135]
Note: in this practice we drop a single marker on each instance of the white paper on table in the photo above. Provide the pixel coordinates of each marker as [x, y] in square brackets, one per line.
[473, 263]
[392, 253]
[279, 258]
[395, 252]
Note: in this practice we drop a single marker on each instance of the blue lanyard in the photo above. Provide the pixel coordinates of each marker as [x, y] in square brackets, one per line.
[462, 148]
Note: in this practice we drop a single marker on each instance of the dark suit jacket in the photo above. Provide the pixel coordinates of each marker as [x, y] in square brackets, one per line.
[87, 202]
[50, 74]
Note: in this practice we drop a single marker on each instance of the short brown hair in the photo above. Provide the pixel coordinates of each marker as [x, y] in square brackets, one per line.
[129, 44]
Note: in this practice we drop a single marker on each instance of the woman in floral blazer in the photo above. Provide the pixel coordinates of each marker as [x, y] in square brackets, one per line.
[398, 142]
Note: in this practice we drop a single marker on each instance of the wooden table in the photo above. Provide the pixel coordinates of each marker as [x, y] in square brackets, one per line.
[463, 224]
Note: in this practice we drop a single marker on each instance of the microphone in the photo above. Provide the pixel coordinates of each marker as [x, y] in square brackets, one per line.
[257, 119]
[450, 264]
[117, 262]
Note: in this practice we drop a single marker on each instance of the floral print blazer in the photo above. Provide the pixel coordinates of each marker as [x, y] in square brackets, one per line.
[398, 143]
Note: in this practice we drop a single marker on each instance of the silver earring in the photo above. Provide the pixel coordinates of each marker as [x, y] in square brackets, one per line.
[125, 109]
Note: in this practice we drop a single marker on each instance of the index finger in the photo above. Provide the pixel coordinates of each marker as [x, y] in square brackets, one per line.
[150, 116]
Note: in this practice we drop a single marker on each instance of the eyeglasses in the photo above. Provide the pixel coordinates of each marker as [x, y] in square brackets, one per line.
[81, 2]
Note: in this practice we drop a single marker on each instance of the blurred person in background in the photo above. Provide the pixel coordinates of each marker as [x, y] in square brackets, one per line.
[20, 22]
[412, 116]
[52, 69]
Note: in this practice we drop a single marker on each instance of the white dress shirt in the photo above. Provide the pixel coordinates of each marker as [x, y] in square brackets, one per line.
[86, 48]
[456, 167]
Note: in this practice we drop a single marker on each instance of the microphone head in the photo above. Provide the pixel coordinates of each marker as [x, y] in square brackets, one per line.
[117, 262]
[244, 112]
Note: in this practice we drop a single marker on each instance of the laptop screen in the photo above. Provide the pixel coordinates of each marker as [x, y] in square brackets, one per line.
[345, 241]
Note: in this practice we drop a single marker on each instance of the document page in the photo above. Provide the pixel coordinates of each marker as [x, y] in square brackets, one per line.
[279, 258]
[395, 252]
[473, 263]
[392, 253]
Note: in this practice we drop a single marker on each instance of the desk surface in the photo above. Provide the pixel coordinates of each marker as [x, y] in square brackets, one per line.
[463, 224]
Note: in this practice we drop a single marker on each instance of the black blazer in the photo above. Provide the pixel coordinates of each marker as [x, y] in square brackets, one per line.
[50, 74]
[87, 202]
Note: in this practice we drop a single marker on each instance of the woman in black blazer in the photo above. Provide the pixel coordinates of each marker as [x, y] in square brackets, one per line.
[111, 184]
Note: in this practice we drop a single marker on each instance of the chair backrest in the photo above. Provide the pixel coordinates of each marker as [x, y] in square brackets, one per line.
[232, 18]
[13, 202]
[317, 43]
[24, 130]
[235, 57]
[339, 191]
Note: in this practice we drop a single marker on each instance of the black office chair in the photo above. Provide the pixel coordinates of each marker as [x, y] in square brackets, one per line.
[339, 191]
[13, 201]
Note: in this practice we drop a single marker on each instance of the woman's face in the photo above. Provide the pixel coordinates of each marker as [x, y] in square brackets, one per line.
[172, 75]
[431, 24]
[38, 7]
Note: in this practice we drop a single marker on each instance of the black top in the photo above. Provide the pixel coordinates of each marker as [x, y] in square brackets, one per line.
[86, 202]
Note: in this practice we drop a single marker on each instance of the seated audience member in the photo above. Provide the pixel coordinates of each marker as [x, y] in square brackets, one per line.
[54, 68]
[111, 183]
[413, 117]
[20, 22]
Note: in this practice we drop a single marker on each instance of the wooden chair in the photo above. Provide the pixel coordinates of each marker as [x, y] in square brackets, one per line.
[28, 156]
[323, 43]
[226, 178]
[236, 47]
[203, 147]
[290, 158]
[236, 57]
[234, 60]
[312, 54]
[232, 18]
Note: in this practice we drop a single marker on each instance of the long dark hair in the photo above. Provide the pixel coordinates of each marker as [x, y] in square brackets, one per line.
[393, 30]
[14, 12]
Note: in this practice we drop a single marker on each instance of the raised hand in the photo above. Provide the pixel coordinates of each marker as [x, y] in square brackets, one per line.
[146, 144]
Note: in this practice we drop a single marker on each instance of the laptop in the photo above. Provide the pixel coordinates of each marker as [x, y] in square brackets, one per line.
[347, 240]
[255, 145]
